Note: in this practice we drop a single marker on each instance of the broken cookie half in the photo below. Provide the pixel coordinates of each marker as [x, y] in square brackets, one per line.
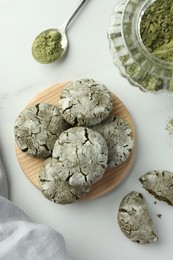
[159, 184]
[134, 219]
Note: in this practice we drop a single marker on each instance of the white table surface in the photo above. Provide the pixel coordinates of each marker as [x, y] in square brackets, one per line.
[90, 228]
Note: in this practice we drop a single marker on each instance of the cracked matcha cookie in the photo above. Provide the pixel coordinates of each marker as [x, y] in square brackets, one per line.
[55, 189]
[134, 220]
[82, 155]
[37, 128]
[118, 136]
[159, 184]
[85, 102]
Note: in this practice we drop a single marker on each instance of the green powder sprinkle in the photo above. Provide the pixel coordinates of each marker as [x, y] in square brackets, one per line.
[47, 46]
[156, 29]
[169, 129]
[169, 126]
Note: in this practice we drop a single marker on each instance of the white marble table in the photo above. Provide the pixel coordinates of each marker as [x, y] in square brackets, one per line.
[90, 228]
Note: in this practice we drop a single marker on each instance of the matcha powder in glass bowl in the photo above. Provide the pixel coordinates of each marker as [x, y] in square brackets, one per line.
[47, 46]
[156, 29]
[141, 42]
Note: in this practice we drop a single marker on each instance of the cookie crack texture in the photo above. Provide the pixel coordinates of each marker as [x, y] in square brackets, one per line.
[55, 189]
[67, 108]
[25, 150]
[37, 128]
[134, 219]
[118, 136]
[85, 102]
[87, 139]
[37, 109]
[82, 155]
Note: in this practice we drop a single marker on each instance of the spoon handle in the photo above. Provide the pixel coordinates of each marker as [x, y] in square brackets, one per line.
[75, 11]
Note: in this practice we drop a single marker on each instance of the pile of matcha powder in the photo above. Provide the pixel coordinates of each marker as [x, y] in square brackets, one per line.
[47, 46]
[156, 29]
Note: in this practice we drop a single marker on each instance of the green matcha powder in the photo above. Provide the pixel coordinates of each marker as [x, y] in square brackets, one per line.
[156, 29]
[47, 46]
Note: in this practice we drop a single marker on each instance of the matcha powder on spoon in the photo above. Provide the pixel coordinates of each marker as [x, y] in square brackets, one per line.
[156, 29]
[47, 46]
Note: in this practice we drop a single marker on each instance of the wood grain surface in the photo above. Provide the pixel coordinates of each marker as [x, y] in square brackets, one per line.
[112, 176]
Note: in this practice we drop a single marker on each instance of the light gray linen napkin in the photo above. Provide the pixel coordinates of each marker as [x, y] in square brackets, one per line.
[20, 238]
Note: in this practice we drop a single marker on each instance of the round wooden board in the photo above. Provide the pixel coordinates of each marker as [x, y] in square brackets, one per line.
[112, 176]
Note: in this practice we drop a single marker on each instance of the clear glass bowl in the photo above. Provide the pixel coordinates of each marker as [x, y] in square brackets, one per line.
[135, 62]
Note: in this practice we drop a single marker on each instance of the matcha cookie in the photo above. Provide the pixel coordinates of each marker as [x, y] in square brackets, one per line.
[118, 136]
[56, 190]
[159, 184]
[82, 155]
[37, 128]
[134, 220]
[85, 102]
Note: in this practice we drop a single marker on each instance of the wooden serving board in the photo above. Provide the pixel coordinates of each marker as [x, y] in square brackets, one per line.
[112, 176]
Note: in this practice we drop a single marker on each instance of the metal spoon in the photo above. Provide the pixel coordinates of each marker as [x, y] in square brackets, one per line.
[50, 45]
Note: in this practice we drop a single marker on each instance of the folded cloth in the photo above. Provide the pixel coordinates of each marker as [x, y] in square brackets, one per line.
[20, 238]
